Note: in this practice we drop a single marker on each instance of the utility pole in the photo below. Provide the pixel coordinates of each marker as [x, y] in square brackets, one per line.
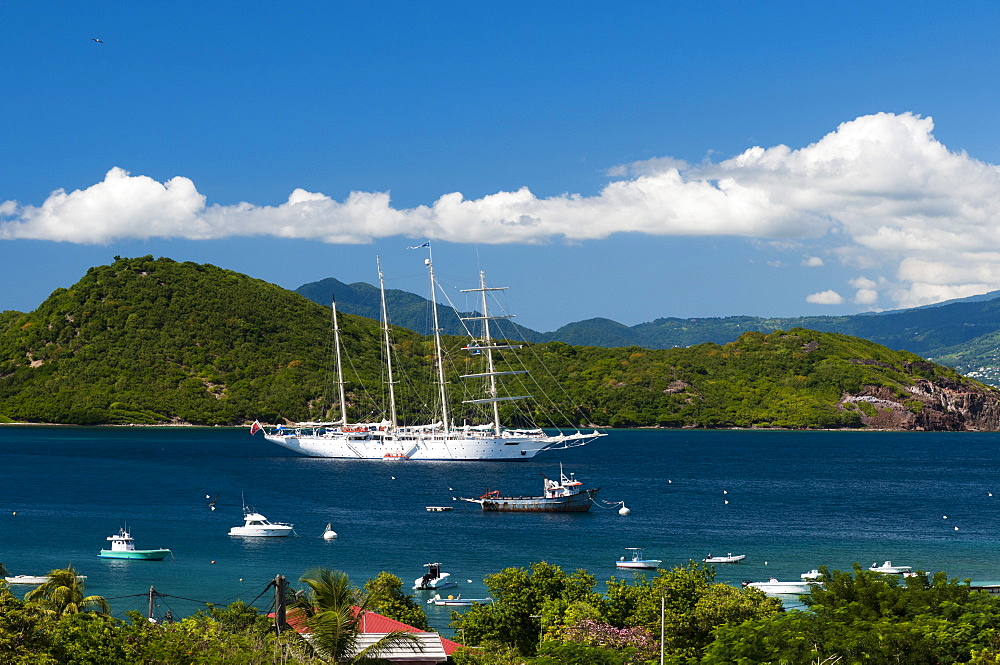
[662, 603]
[279, 603]
[152, 596]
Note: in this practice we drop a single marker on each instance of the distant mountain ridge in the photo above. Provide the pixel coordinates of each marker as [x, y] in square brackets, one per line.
[963, 333]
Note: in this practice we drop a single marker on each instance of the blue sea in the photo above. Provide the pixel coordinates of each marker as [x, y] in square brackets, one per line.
[790, 501]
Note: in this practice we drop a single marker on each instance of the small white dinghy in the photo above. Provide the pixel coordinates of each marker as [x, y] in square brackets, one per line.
[457, 601]
[729, 558]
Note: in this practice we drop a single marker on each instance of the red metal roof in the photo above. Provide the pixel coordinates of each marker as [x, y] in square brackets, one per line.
[372, 622]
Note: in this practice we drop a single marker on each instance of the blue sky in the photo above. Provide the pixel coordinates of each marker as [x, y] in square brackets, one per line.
[631, 161]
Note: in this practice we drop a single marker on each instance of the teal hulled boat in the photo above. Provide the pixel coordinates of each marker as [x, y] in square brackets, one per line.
[123, 547]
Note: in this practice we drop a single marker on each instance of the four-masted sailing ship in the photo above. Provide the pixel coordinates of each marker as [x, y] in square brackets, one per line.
[443, 440]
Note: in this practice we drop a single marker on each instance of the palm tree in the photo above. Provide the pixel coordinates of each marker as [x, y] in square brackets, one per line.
[333, 610]
[63, 594]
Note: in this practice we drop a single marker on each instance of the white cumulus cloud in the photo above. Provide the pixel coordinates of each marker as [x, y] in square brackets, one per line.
[825, 298]
[880, 192]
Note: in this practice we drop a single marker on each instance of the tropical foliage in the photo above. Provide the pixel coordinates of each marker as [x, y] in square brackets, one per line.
[334, 612]
[63, 594]
[544, 616]
[156, 341]
[547, 611]
[872, 618]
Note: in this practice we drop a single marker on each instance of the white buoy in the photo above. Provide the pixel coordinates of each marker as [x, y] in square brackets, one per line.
[329, 533]
[726, 502]
[623, 510]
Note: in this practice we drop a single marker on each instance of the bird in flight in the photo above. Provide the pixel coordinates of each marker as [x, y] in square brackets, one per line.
[95, 39]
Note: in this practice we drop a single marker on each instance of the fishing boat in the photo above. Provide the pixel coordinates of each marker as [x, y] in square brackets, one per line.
[444, 439]
[123, 547]
[35, 579]
[729, 558]
[255, 524]
[635, 560]
[565, 495]
[457, 601]
[433, 579]
[774, 587]
[890, 569]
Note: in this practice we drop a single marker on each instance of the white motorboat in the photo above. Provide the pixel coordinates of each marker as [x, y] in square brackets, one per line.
[729, 558]
[811, 576]
[34, 579]
[436, 599]
[635, 560]
[890, 569]
[255, 524]
[444, 440]
[774, 587]
[433, 579]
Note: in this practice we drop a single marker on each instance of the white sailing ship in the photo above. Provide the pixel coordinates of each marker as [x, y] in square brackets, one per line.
[438, 441]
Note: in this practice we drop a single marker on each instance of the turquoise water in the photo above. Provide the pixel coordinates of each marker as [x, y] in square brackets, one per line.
[796, 500]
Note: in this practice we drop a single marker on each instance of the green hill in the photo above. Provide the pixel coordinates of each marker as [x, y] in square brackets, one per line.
[157, 341]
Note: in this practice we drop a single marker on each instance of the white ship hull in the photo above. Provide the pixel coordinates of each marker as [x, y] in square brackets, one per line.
[425, 447]
[271, 531]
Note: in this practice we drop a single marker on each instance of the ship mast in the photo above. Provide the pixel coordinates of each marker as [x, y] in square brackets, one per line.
[340, 371]
[488, 346]
[437, 342]
[388, 348]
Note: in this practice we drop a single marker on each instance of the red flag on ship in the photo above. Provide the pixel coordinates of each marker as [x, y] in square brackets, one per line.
[256, 427]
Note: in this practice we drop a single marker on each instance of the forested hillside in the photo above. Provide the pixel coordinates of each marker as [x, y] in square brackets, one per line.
[157, 341]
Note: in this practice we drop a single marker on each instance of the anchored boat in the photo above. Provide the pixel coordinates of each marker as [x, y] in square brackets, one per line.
[433, 579]
[390, 440]
[565, 495]
[255, 524]
[123, 547]
[635, 560]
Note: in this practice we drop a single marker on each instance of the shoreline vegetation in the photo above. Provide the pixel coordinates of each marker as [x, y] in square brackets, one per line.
[154, 342]
[540, 615]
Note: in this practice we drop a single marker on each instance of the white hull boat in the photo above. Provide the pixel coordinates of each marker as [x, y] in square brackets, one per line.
[433, 579]
[811, 576]
[890, 569]
[776, 588]
[444, 440]
[636, 562]
[457, 601]
[255, 524]
[35, 579]
[729, 558]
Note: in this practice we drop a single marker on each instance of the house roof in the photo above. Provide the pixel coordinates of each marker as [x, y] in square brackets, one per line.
[375, 626]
